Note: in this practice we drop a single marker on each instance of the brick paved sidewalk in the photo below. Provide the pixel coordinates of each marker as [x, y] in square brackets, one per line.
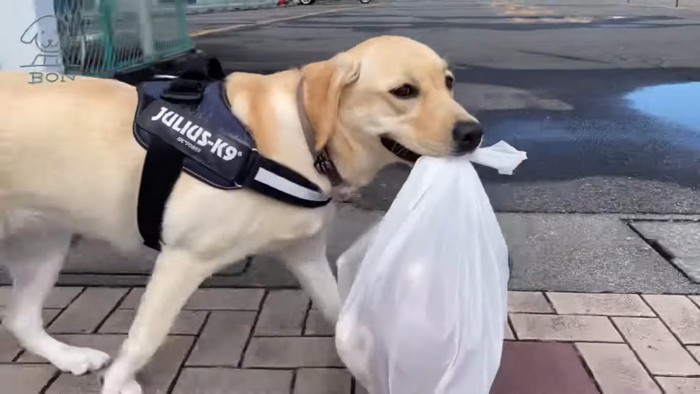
[252, 340]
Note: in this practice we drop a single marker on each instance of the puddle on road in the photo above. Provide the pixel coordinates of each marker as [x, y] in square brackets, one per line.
[677, 103]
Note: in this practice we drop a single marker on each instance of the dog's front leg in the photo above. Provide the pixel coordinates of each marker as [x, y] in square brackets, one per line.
[307, 260]
[177, 274]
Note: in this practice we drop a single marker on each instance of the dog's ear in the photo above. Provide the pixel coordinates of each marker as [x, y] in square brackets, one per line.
[323, 85]
[32, 33]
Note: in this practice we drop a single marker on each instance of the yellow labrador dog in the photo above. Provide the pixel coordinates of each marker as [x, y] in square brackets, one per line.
[69, 164]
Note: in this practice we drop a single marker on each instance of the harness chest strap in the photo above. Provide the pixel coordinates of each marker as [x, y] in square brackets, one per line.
[182, 139]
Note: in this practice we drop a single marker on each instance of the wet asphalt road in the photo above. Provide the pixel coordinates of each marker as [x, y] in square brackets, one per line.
[553, 80]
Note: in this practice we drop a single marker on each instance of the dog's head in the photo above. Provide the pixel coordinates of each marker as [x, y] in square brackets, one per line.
[385, 91]
[43, 33]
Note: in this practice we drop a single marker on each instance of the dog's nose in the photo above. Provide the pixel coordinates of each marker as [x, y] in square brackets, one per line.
[467, 137]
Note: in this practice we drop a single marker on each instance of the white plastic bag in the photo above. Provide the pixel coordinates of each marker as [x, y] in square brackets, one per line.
[425, 289]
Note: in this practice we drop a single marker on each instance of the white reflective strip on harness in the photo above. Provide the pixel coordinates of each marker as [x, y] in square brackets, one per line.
[277, 182]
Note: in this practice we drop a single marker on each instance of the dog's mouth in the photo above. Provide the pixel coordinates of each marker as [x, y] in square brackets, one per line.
[399, 150]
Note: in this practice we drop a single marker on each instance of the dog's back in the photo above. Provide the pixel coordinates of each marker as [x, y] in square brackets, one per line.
[50, 129]
[40, 123]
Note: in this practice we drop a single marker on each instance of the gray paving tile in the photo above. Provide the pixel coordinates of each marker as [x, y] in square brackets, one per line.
[226, 299]
[323, 381]
[209, 299]
[5, 293]
[263, 271]
[680, 239]
[679, 313]
[658, 349]
[86, 252]
[107, 343]
[616, 369]
[101, 280]
[223, 339]
[317, 325]
[9, 347]
[291, 352]
[131, 301]
[350, 223]
[186, 323]
[58, 298]
[565, 252]
[678, 385]
[283, 313]
[156, 377]
[695, 299]
[528, 302]
[359, 389]
[564, 328]
[92, 256]
[600, 304]
[49, 314]
[233, 381]
[88, 311]
[24, 379]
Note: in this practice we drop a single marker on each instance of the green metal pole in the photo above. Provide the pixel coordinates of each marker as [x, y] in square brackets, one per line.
[180, 10]
[146, 30]
[185, 42]
[106, 10]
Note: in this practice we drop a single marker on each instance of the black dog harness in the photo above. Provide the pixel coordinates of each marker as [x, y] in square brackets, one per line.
[186, 124]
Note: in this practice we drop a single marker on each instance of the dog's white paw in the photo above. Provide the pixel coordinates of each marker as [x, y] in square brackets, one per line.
[79, 360]
[129, 387]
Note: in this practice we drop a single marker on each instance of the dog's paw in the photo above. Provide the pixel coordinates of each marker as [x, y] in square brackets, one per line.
[129, 387]
[80, 360]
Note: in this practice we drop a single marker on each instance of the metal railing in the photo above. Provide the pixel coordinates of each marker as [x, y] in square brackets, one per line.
[101, 37]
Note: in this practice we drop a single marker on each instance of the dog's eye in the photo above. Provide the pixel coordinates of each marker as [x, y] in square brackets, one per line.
[405, 91]
[450, 82]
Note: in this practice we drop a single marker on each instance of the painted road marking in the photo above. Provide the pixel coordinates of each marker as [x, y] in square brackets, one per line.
[530, 14]
[205, 32]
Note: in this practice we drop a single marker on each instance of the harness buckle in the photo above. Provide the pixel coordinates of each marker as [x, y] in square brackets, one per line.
[186, 91]
[182, 97]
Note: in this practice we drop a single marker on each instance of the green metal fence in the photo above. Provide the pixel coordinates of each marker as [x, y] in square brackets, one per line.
[101, 37]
